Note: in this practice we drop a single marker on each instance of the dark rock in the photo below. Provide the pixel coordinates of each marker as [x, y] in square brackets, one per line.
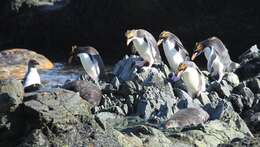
[64, 118]
[11, 95]
[184, 100]
[87, 90]
[223, 89]
[35, 138]
[151, 95]
[248, 97]
[250, 64]
[254, 85]
[237, 102]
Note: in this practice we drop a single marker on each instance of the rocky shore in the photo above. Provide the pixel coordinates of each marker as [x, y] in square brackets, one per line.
[135, 107]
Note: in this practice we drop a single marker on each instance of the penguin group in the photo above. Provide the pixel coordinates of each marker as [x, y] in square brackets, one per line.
[181, 65]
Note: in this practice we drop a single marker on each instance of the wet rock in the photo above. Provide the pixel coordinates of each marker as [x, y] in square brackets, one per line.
[187, 117]
[87, 90]
[13, 62]
[223, 89]
[11, 95]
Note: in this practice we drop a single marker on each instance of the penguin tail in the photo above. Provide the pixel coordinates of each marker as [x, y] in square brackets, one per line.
[233, 66]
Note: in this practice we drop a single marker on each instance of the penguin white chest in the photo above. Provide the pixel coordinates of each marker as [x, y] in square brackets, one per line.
[90, 66]
[192, 80]
[145, 51]
[33, 77]
[174, 58]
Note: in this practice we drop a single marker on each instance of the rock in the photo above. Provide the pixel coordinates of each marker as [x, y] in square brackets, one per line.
[250, 64]
[204, 99]
[187, 117]
[87, 90]
[223, 89]
[237, 102]
[215, 111]
[63, 117]
[253, 122]
[148, 135]
[251, 53]
[13, 62]
[152, 96]
[254, 85]
[35, 138]
[232, 79]
[11, 95]
[105, 118]
[245, 142]
[248, 97]
[184, 100]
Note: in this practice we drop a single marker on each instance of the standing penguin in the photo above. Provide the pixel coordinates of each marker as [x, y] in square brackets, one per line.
[32, 80]
[173, 49]
[146, 46]
[217, 55]
[90, 60]
[192, 77]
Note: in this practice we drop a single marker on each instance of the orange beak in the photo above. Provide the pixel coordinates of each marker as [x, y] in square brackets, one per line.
[194, 56]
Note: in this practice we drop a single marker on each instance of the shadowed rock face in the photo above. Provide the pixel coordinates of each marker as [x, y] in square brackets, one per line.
[102, 24]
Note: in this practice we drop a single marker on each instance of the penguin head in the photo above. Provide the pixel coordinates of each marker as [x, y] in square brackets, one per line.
[132, 35]
[163, 36]
[181, 68]
[33, 63]
[77, 50]
[199, 48]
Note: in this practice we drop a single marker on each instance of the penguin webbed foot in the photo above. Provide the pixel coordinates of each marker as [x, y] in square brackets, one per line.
[173, 78]
[32, 88]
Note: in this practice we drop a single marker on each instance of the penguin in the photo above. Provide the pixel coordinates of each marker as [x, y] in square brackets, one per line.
[192, 77]
[173, 49]
[32, 80]
[90, 60]
[145, 44]
[218, 59]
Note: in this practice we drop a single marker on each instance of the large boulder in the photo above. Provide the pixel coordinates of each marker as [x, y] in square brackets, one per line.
[146, 90]
[11, 95]
[56, 117]
[13, 62]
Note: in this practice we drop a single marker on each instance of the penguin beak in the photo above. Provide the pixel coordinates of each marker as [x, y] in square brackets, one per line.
[196, 54]
[159, 42]
[179, 73]
[129, 40]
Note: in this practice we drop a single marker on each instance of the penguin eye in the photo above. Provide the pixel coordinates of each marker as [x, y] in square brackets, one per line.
[145, 40]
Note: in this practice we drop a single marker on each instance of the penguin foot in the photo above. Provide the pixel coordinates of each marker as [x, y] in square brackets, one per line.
[173, 77]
